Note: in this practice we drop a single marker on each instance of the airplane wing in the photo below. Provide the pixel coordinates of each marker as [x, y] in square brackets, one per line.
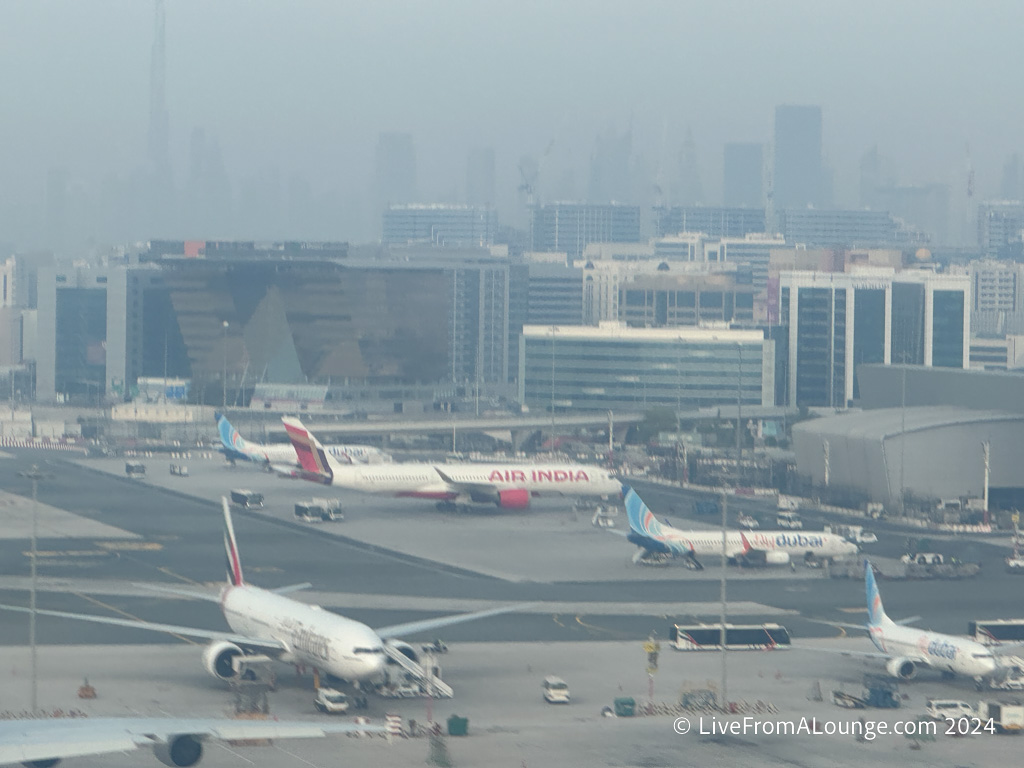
[844, 652]
[39, 741]
[413, 627]
[190, 594]
[267, 646]
[479, 492]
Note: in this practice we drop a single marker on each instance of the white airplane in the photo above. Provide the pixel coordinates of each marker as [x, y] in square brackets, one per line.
[267, 622]
[175, 741]
[281, 457]
[905, 650]
[755, 547]
[509, 486]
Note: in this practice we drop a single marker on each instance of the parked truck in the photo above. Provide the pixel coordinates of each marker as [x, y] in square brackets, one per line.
[1006, 716]
[319, 511]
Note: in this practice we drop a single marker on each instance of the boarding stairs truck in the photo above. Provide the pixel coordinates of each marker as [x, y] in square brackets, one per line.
[438, 688]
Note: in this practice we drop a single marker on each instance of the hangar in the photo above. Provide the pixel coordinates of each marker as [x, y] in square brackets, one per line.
[931, 453]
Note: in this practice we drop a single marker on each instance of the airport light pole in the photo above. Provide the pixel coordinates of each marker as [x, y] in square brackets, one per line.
[224, 379]
[725, 690]
[34, 475]
[554, 330]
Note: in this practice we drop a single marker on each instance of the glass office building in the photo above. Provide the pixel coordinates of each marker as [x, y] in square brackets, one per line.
[609, 367]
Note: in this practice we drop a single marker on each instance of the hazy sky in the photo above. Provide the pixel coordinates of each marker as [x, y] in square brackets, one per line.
[305, 87]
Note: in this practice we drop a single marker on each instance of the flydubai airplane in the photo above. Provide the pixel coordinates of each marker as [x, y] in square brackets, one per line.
[175, 741]
[282, 457]
[509, 486]
[906, 650]
[268, 622]
[753, 547]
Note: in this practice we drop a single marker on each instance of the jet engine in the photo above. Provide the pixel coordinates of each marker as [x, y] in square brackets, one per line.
[217, 661]
[514, 498]
[901, 667]
[775, 557]
[179, 751]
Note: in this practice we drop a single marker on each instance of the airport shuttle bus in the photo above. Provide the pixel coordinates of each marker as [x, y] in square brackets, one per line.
[738, 637]
[996, 631]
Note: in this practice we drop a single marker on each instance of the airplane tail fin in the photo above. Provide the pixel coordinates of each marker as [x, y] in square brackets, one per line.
[314, 459]
[230, 440]
[641, 519]
[231, 548]
[876, 612]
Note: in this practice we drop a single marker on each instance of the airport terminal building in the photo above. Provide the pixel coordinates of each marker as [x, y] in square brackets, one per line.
[614, 367]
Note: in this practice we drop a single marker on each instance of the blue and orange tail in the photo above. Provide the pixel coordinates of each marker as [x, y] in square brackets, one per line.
[876, 612]
[232, 444]
[641, 519]
[231, 548]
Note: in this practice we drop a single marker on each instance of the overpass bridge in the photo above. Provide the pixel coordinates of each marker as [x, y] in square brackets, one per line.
[511, 429]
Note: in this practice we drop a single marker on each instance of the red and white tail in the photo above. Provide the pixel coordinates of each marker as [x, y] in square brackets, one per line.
[316, 463]
[231, 548]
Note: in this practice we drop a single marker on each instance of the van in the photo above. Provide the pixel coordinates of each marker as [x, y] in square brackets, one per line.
[790, 520]
[941, 709]
[556, 690]
[247, 499]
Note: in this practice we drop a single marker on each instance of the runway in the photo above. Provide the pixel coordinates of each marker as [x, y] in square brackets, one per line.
[179, 540]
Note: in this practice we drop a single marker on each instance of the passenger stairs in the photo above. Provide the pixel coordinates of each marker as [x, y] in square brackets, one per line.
[432, 684]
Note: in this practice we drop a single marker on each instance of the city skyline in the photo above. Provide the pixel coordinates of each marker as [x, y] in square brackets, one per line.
[273, 115]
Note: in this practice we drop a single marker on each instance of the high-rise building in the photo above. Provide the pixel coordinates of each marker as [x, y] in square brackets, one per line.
[838, 321]
[480, 177]
[569, 227]
[798, 178]
[440, 224]
[713, 221]
[1000, 223]
[395, 169]
[610, 178]
[846, 228]
[743, 176]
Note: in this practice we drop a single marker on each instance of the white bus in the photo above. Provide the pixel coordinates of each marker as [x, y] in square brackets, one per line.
[738, 637]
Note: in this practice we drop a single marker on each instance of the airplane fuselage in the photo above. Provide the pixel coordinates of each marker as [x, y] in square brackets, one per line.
[943, 652]
[423, 480]
[708, 543]
[339, 646]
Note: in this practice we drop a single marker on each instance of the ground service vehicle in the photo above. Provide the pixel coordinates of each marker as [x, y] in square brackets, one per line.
[319, 511]
[247, 499]
[135, 469]
[739, 637]
[556, 690]
[996, 631]
[941, 709]
[331, 701]
[1006, 716]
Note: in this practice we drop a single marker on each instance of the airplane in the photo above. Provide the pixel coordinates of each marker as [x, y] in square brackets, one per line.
[906, 650]
[741, 547]
[268, 622]
[281, 457]
[42, 743]
[508, 486]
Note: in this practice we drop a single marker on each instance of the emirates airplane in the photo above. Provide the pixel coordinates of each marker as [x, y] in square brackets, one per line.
[509, 486]
[268, 622]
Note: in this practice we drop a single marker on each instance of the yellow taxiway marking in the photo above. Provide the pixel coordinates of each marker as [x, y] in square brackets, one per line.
[555, 619]
[131, 546]
[67, 553]
[178, 576]
[582, 623]
[126, 615]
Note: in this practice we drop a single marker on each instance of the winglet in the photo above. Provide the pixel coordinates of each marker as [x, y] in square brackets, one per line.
[231, 547]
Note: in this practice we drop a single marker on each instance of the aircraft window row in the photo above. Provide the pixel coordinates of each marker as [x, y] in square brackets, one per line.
[376, 650]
